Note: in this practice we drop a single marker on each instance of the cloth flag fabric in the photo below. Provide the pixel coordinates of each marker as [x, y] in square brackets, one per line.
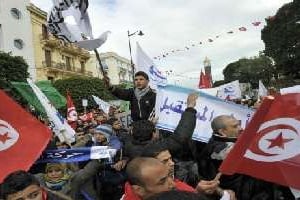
[268, 148]
[71, 112]
[81, 31]
[72, 115]
[103, 105]
[60, 127]
[203, 82]
[144, 63]
[77, 154]
[46, 87]
[230, 91]
[22, 137]
[262, 90]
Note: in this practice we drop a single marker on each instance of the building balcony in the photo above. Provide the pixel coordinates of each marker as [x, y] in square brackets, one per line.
[74, 50]
[55, 67]
[49, 41]
[69, 48]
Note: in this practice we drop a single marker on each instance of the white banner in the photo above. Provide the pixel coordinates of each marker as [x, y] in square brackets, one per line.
[103, 105]
[171, 103]
[230, 91]
[262, 90]
[124, 118]
[293, 89]
[144, 63]
[61, 128]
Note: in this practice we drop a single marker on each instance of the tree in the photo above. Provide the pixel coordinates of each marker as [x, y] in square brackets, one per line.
[83, 88]
[250, 70]
[12, 68]
[282, 39]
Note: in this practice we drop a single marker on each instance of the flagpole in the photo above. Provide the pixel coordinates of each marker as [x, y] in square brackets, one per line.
[100, 64]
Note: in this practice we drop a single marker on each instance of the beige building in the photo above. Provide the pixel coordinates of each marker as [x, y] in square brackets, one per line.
[117, 67]
[55, 59]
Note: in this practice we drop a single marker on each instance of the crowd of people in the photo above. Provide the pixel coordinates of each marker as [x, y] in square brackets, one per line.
[149, 164]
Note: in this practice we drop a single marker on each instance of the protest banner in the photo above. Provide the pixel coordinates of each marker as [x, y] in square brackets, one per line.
[124, 118]
[171, 103]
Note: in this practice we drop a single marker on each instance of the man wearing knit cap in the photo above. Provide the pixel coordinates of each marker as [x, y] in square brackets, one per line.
[141, 97]
[102, 136]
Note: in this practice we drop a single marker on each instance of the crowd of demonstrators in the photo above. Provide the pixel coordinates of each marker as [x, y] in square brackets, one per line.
[146, 165]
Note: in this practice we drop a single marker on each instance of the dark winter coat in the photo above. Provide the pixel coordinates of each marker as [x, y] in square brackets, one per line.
[175, 143]
[139, 110]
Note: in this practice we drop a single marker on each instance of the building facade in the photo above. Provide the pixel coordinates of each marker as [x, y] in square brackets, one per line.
[16, 32]
[118, 68]
[55, 59]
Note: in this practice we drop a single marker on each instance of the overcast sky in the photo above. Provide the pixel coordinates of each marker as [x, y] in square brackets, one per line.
[175, 24]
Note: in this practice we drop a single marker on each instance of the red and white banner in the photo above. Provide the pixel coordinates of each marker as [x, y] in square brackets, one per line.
[269, 148]
[22, 137]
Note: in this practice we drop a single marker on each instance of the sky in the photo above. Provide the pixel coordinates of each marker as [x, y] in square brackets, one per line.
[175, 24]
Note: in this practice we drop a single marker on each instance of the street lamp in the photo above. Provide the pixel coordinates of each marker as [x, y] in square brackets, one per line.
[140, 33]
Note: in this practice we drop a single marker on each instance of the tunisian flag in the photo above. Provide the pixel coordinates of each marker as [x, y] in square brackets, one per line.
[71, 112]
[269, 148]
[204, 81]
[22, 137]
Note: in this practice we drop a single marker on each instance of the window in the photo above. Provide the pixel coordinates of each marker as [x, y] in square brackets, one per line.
[44, 31]
[50, 78]
[82, 65]
[68, 63]
[18, 43]
[15, 13]
[48, 58]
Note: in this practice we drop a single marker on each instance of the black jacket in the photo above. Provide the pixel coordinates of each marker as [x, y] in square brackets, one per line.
[139, 110]
[175, 143]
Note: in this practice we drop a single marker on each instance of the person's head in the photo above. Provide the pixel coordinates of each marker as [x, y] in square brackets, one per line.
[160, 152]
[115, 123]
[141, 80]
[61, 145]
[101, 119]
[226, 126]
[55, 171]
[148, 176]
[102, 133]
[178, 195]
[21, 185]
[143, 130]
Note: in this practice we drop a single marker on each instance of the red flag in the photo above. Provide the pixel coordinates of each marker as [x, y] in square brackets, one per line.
[71, 112]
[22, 137]
[242, 29]
[203, 82]
[269, 148]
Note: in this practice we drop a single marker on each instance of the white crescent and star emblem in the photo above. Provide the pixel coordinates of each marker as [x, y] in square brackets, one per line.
[8, 135]
[278, 139]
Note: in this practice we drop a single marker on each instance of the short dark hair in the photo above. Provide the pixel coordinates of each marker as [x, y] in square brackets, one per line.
[153, 149]
[177, 195]
[141, 73]
[15, 182]
[142, 130]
